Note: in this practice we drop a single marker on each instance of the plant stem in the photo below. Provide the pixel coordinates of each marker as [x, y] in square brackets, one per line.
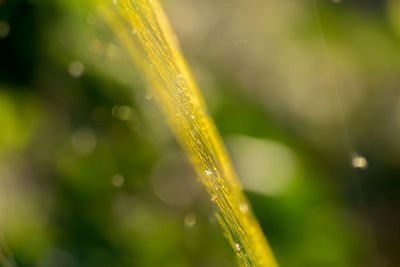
[148, 37]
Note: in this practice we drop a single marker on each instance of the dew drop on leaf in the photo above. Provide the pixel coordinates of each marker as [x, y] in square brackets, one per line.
[244, 207]
[237, 247]
[190, 220]
[359, 162]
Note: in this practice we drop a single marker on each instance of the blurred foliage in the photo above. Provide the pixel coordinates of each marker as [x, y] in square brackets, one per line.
[297, 89]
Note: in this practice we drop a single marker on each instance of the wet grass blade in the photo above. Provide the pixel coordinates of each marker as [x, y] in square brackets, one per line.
[146, 33]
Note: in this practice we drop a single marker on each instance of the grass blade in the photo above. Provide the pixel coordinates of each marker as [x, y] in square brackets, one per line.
[148, 37]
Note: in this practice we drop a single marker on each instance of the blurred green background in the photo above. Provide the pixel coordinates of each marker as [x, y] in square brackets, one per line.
[306, 97]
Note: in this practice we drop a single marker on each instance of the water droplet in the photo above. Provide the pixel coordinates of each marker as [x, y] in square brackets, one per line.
[244, 207]
[189, 220]
[149, 96]
[117, 180]
[133, 31]
[192, 116]
[359, 162]
[76, 69]
[214, 198]
[115, 2]
[123, 113]
[208, 172]
[237, 247]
